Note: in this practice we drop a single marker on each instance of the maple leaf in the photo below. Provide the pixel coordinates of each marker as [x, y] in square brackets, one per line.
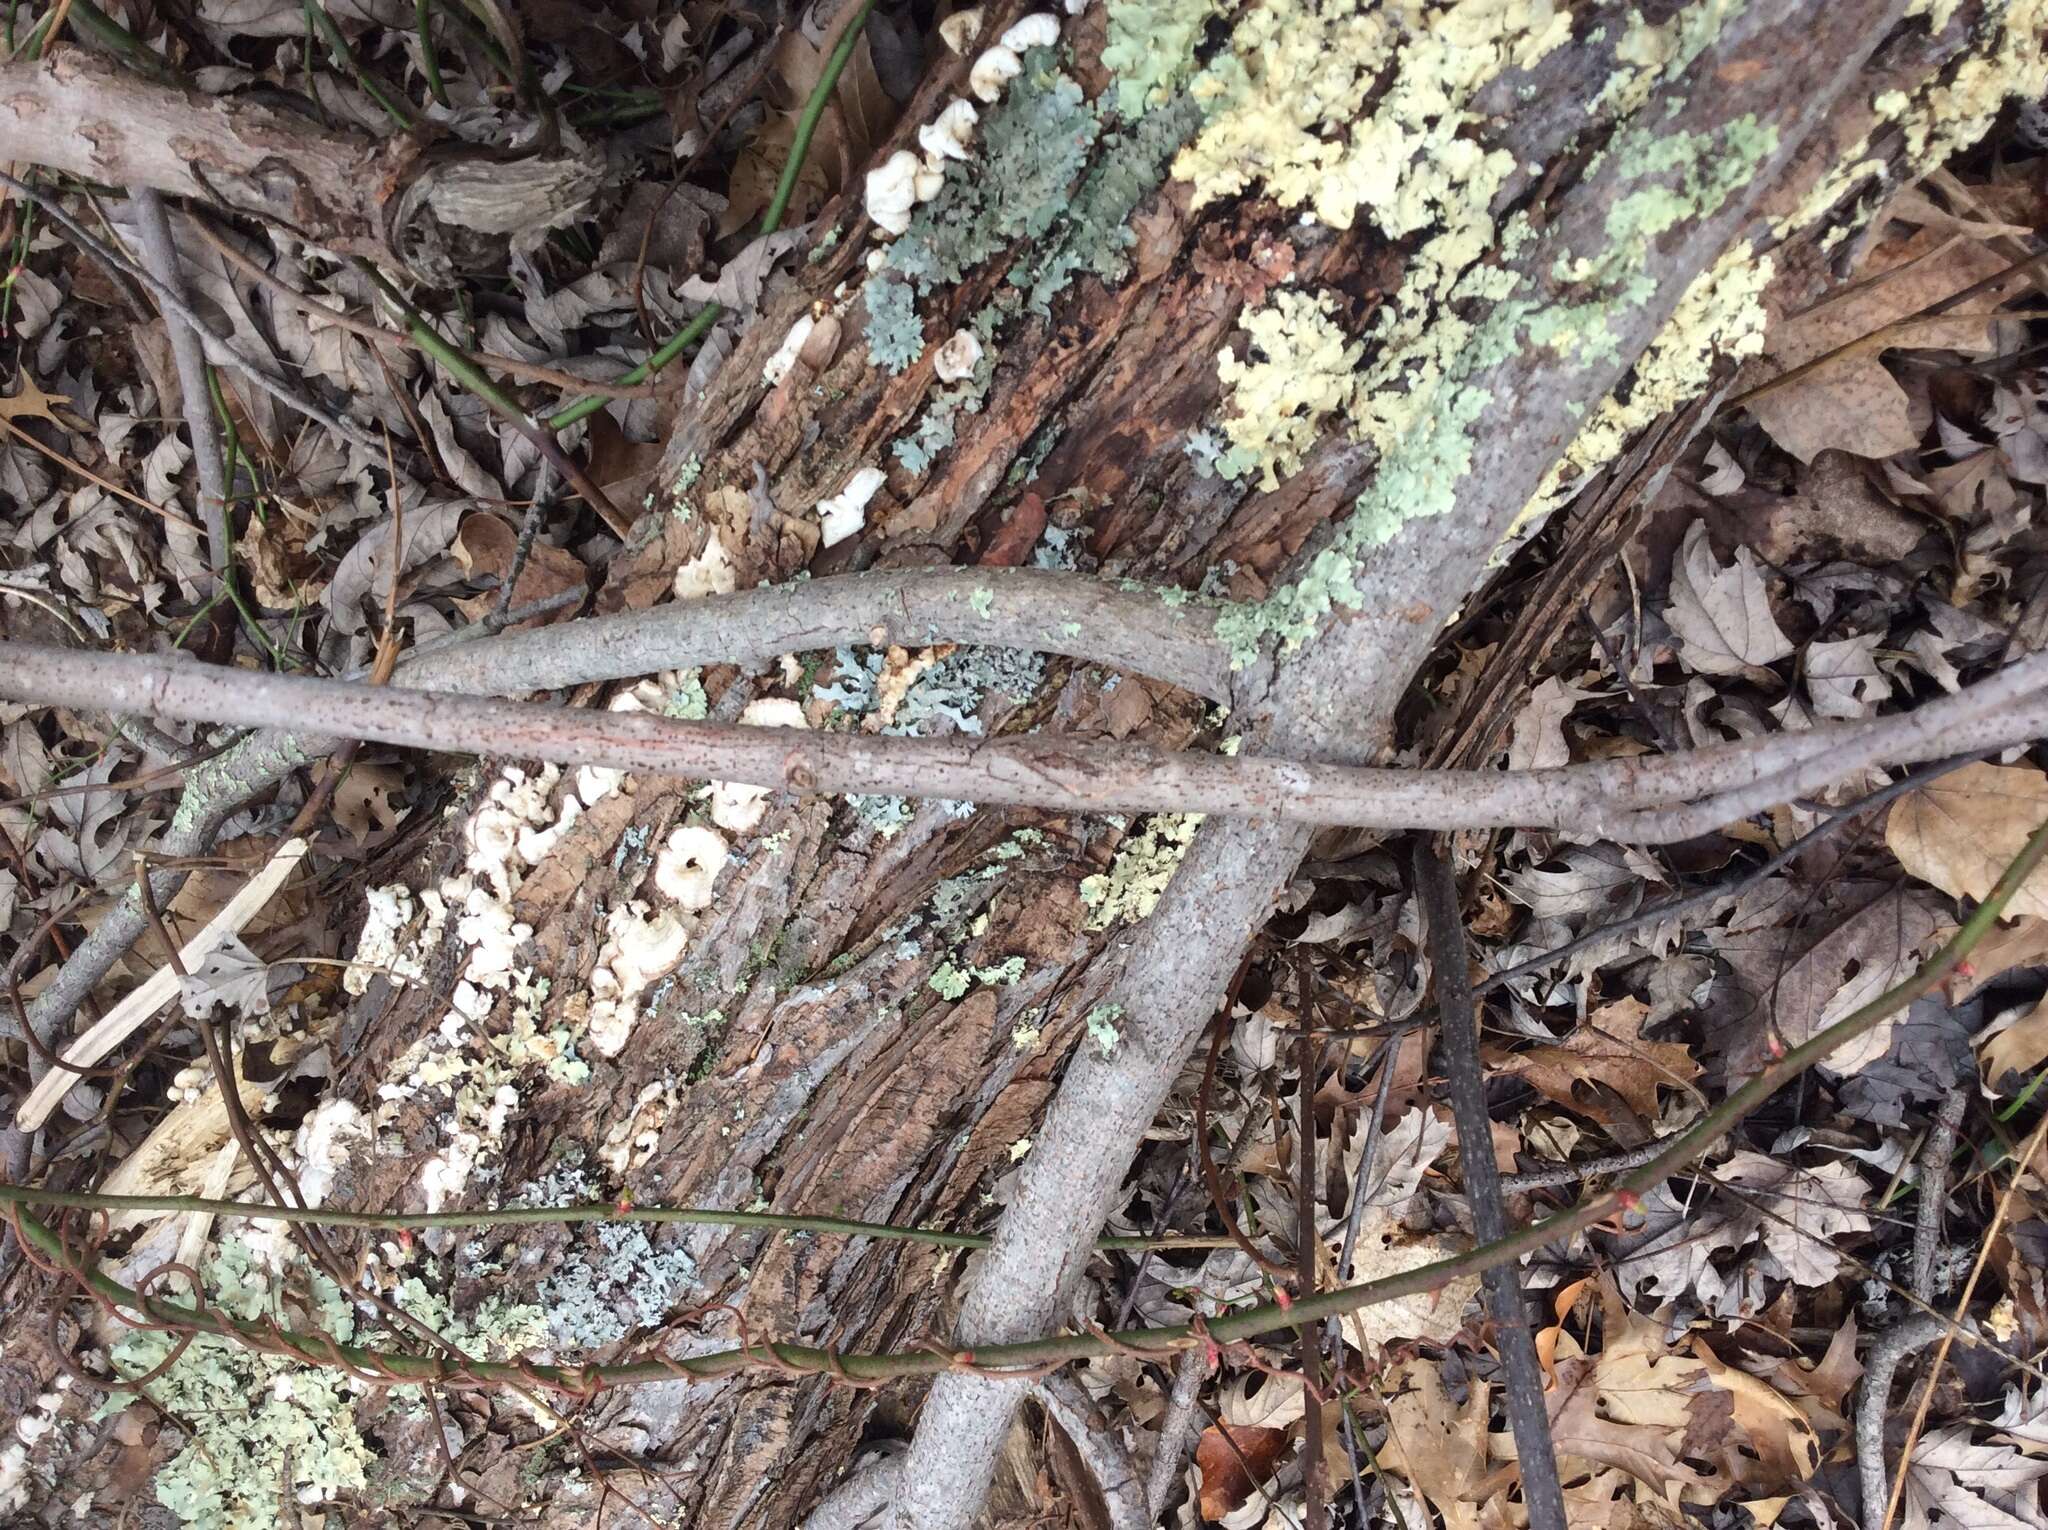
[1959, 833]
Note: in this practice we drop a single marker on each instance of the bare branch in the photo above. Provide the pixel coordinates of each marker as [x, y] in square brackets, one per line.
[1458, 1040]
[1607, 799]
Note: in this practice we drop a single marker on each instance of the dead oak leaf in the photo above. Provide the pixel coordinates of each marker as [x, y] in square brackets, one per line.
[32, 403]
[1960, 832]
[1608, 1048]
[1646, 1452]
[1722, 613]
[1852, 402]
[1438, 1447]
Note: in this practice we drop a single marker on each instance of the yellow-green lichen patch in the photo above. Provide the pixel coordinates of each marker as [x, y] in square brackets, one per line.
[1301, 372]
[1144, 864]
[1424, 398]
[1288, 106]
[1721, 314]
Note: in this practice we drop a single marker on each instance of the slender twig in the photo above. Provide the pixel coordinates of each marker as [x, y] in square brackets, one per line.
[623, 1210]
[1614, 799]
[160, 255]
[396, 107]
[1706, 897]
[1308, 1246]
[528, 371]
[778, 205]
[1028, 1356]
[1934, 1161]
[1458, 1040]
[1880, 1363]
[1985, 1245]
[1176, 1430]
[500, 403]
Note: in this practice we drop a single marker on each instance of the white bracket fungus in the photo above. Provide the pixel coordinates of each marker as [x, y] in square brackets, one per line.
[845, 513]
[948, 135]
[709, 573]
[786, 354]
[961, 28]
[1041, 29]
[956, 359]
[688, 865]
[736, 806]
[991, 72]
[892, 191]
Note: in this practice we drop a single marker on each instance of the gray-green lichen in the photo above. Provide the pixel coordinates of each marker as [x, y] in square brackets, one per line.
[895, 333]
[1101, 1023]
[1033, 146]
[265, 1432]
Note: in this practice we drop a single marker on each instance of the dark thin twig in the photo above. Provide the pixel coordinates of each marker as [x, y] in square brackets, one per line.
[1458, 1040]
[1308, 1242]
[283, 392]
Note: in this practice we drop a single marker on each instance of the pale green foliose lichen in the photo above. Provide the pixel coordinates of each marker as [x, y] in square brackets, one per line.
[1151, 48]
[1145, 862]
[1301, 370]
[895, 333]
[266, 1433]
[1101, 1023]
[949, 981]
[1032, 147]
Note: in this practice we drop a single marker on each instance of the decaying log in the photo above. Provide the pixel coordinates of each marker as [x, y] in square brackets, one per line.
[401, 199]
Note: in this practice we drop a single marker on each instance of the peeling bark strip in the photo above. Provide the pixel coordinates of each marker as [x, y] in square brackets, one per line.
[389, 200]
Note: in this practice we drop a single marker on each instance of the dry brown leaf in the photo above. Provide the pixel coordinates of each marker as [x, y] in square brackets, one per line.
[2016, 1045]
[2023, 943]
[1722, 614]
[1854, 403]
[1608, 1048]
[1959, 833]
[1645, 1451]
[1233, 1464]
[1440, 1448]
[31, 403]
[485, 547]
[363, 802]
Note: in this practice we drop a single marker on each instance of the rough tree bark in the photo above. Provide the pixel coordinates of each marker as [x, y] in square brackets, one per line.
[836, 1076]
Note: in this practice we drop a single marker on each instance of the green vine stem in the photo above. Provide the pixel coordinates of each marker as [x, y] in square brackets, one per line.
[1037, 1354]
[778, 205]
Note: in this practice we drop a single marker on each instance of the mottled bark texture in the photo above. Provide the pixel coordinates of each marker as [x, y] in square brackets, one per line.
[803, 1057]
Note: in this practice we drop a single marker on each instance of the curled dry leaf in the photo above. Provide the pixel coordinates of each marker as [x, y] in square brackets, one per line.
[1960, 832]
[1233, 1461]
[1439, 1447]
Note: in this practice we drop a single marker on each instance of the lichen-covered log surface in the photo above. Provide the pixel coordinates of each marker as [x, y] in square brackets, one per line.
[1426, 354]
